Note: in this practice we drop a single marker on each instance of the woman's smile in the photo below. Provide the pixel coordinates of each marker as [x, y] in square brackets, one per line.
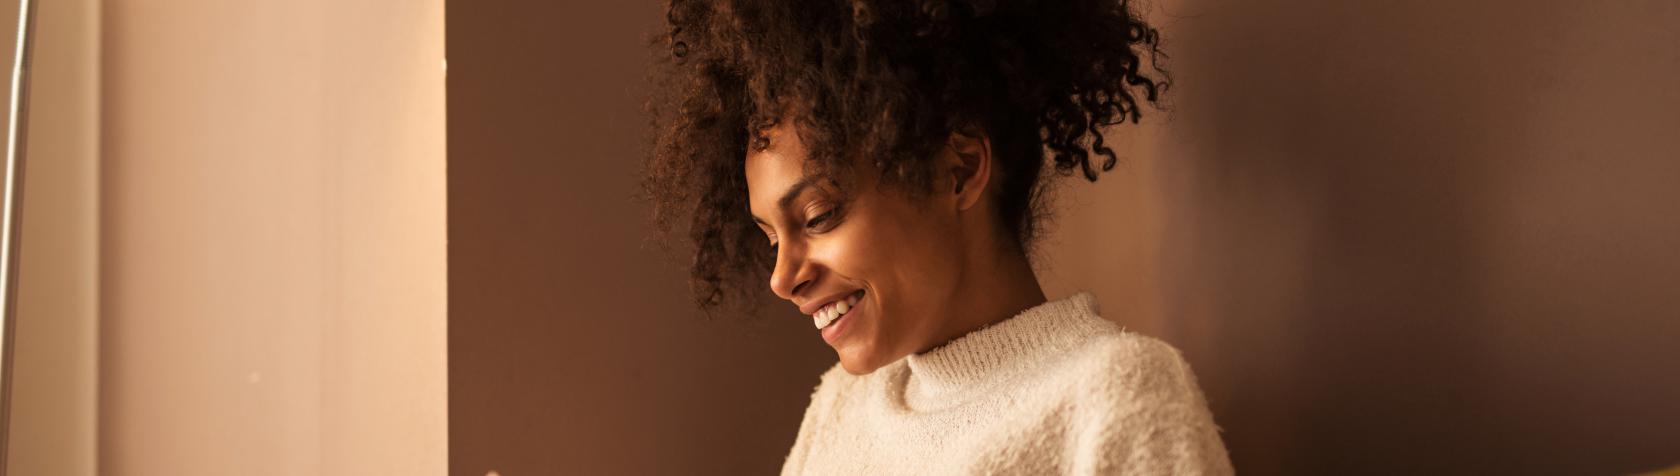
[834, 308]
[832, 319]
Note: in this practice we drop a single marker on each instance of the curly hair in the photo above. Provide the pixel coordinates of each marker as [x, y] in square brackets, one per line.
[889, 80]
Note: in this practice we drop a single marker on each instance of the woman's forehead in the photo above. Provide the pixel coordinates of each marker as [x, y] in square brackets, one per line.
[774, 171]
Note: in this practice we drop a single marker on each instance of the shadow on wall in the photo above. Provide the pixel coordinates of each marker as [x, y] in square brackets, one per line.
[1428, 240]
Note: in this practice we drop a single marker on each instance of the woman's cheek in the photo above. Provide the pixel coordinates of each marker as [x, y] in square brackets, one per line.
[850, 249]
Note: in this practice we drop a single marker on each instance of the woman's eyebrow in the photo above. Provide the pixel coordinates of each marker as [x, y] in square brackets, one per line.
[792, 193]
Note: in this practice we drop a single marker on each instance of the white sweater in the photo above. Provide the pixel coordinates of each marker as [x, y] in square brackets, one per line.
[1053, 390]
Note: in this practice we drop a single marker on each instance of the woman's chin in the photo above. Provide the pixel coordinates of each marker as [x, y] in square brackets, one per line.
[858, 364]
[856, 369]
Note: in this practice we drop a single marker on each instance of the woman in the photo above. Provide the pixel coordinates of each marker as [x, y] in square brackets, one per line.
[879, 164]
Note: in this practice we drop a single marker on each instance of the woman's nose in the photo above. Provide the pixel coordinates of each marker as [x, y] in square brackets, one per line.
[791, 274]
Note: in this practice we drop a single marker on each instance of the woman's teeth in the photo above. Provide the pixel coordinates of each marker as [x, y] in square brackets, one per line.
[832, 312]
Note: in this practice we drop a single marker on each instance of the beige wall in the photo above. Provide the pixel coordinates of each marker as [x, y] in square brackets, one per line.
[1391, 237]
[272, 275]
[54, 402]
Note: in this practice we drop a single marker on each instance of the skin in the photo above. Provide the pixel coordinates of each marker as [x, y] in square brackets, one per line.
[932, 268]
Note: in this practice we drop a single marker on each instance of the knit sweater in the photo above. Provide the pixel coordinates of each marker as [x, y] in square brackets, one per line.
[1053, 390]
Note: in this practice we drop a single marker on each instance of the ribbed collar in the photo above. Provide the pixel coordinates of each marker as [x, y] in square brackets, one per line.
[1001, 350]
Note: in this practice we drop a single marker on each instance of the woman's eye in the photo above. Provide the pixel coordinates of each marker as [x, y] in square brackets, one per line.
[819, 219]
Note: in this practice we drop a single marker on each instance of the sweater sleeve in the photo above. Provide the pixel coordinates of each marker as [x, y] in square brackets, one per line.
[821, 401]
[1146, 415]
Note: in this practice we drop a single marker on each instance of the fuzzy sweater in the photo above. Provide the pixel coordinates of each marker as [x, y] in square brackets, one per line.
[1054, 390]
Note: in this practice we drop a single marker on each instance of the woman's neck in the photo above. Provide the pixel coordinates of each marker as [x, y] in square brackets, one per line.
[991, 291]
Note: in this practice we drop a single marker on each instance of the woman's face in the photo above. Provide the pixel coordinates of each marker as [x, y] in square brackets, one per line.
[895, 256]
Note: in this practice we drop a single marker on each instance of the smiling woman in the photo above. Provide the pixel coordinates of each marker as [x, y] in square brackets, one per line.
[879, 165]
[850, 258]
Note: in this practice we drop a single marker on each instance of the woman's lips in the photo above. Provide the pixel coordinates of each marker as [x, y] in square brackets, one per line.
[832, 311]
[834, 329]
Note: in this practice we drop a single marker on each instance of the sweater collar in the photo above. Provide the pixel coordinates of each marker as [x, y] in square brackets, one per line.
[1004, 348]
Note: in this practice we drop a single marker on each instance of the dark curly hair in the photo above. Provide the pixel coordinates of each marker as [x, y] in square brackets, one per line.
[889, 80]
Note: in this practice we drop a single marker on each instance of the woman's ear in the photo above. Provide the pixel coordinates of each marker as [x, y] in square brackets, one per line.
[971, 169]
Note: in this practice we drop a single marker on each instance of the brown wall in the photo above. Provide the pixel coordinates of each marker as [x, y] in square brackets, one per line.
[1430, 237]
[1391, 237]
[573, 349]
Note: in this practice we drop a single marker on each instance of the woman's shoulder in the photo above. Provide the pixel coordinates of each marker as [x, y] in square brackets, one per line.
[1134, 355]
[1100, 353]
[1135, 400]
[1128, 367]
